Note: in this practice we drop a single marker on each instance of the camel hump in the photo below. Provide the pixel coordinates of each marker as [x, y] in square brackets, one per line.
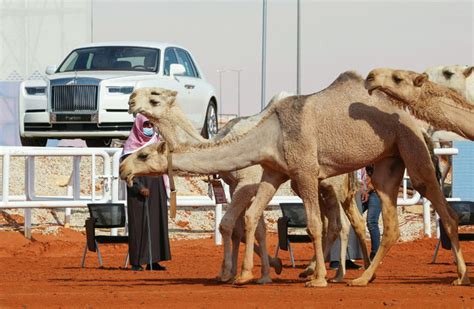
[347, 76]
[350, 75]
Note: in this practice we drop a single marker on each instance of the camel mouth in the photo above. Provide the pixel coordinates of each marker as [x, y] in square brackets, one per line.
[129, 178]
[134, 111]
[371, 89]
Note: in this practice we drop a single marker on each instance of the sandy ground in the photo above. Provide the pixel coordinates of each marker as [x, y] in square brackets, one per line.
[45, 272]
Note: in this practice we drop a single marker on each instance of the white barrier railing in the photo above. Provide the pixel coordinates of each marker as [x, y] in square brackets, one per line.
[111, 164]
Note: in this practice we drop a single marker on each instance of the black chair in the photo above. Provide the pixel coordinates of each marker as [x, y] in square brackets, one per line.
[103, 216]
[465, 211]
[294, 216]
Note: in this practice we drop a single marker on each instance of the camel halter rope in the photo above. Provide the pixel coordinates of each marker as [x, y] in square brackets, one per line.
[172, 186]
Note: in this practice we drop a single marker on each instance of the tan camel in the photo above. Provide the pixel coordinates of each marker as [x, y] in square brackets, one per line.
[313, 137]
[160, 107]
[441, 107]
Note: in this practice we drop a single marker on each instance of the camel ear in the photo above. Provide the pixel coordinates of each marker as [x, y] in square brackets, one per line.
[174, 93]
[420, 80]
[161, 148]
[467, 72]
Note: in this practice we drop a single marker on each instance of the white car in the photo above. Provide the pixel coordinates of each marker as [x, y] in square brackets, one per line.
[87, 95]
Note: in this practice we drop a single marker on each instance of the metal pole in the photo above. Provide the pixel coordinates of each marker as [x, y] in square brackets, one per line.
[220, 89]
[238, 88]
[298, 50]
[264, 52]
[238, 92]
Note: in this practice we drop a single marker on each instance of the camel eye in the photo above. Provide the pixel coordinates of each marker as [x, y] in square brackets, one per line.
[143, 156]
[397, 79]
[155, 93]
[154, 102]
[447, 74]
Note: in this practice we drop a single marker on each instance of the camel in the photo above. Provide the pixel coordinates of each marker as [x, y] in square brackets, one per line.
[309, 138]
[460, 79]
[456, 77]
[442, 107]
[160, 107]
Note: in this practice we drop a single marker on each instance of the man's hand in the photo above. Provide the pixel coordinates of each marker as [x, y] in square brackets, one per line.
[364, 196]
[145, 192]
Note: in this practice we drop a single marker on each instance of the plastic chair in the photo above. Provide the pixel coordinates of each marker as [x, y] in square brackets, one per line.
[294, 216]
[103, 216]
[465, 211]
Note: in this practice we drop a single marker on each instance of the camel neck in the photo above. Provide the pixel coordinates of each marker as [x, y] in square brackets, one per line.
[178, 130]
[232, 154]
[448, 113]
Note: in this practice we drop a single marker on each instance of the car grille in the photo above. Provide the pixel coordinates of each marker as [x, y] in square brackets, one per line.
[74, 98]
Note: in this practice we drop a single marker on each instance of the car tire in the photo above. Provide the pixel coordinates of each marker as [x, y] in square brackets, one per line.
[210, 127]
[98, 142]
[33, 141]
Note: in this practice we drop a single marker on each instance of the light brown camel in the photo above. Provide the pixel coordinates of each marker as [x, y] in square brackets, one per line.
[313, 137]
[160, 106]
[441, 107]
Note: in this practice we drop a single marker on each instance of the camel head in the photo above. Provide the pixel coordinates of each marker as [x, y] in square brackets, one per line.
[151, 101]
[149, 160]
[402, 85]
[455, 77]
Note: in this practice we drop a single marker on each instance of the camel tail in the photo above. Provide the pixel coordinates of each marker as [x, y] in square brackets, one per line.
[434, 158]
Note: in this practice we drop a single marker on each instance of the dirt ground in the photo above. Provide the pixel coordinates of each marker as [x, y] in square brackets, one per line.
[46, 272]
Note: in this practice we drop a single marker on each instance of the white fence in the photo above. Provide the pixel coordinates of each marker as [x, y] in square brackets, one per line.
[112, 183]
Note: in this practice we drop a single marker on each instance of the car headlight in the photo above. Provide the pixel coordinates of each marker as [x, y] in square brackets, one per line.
[35, 90]
[121, 90]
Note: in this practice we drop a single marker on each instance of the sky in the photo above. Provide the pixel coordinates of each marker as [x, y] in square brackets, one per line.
[336, 36]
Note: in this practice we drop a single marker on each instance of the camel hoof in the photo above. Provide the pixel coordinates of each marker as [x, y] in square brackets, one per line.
[306, 273]
[277, 265]
[358, 282]
[264, 280]
[462, 281]
[243, 279]
[320, 283]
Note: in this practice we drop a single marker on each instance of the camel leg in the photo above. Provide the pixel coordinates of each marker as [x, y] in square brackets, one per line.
[344, 235]
[430, 189]
[308, 187]
[331, 227]
[240, 200]
[271, 181]
[358, 224]
[261, 250]
[423, 177]
[387, 176]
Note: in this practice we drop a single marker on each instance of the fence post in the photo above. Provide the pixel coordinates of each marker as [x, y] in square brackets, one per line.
[27, 216]
[30, 193]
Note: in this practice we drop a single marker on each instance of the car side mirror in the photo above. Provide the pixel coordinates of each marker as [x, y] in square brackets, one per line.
[177, 69]
[50, 69]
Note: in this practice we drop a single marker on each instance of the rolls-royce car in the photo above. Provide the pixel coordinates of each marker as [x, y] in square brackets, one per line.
[86, 96]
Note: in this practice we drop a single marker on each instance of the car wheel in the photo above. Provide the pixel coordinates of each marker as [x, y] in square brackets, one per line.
[33, 141]
[99, 142]
[210, 123]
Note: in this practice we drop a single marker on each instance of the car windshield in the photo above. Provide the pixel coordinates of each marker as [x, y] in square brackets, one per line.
[112, 58]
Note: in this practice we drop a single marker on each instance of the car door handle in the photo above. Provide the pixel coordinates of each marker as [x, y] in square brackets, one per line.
[189, 86]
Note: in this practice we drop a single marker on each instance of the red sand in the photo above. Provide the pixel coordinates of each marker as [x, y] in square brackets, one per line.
[46, 272]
